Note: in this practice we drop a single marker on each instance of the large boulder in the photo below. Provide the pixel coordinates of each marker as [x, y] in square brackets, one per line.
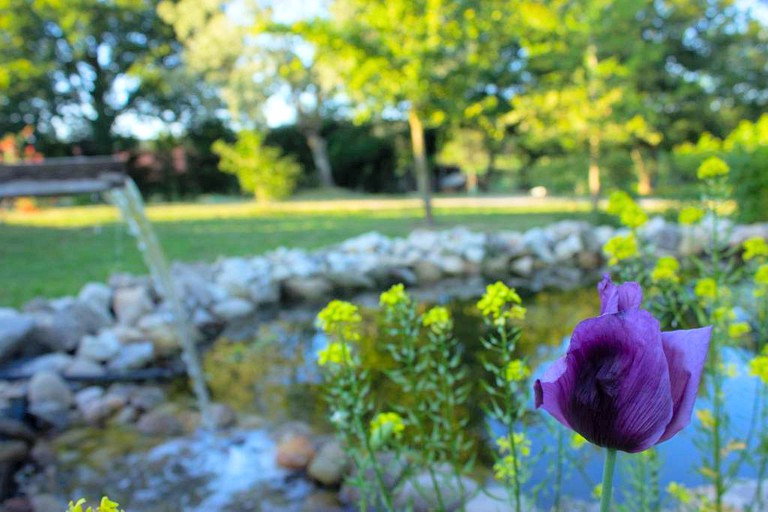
[14, 327]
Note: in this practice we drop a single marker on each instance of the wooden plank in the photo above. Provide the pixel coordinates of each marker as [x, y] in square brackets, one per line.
[62, 176]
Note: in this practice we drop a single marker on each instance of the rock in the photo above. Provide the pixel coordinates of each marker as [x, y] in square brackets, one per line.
[423, 240]
[264, 290]
[56, 362]
[321, 501]
[16, 504]
[233, 308]
[474, 254]
[101, 347]
[451, 265]
[146, 398]
[329, 465]
[47, 503]
[132, 303]
[418, 492]
[15, 429]
[234, 274]
[13, 451]
[595, 238]
[523, 266]
[367, 242]
[496, 267]
[427, 272]
[295, 452]
[538, 242]
[161, 331]
[569, 247]
[96, 295]
[57, 330]
[14, 326]
[49, 398]
[160, 423]
[392, 468]
[309, 289]
[589, 260]
[132, 356]
[95, 406]
[125, 416]
[222, 415]
[84, 368]
[351, 280]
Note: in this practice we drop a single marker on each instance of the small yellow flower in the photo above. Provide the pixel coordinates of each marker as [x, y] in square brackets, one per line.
[712, 167]
[755, 247]
[438, 320]
[621, 247]
[723, 313]
[630, 214]
[386, 426]
[597, 491]
[667, 269]
[106, 505]
[335, 353]
[738, 329]
[338, 312]
[680, 493]
[395, 296]
[517, 312]
[690, 215]
[758, 367]
[517, 371]
[504, 469]
[496, 299]
[706, 288]
[706, 418]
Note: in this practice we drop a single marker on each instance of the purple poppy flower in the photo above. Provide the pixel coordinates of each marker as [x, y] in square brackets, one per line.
[623, 383]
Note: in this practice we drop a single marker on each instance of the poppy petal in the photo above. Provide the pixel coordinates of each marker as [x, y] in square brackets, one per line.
[686, 352]
[553, 390]
[614, 299]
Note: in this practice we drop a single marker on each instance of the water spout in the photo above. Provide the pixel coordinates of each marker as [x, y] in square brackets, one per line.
[128, 201]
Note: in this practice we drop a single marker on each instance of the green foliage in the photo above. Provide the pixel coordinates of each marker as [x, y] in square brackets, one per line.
[260, 169]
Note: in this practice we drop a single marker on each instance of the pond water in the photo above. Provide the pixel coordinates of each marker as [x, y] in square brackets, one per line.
[275, 377]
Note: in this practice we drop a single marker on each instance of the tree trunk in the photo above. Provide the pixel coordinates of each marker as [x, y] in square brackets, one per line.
[472, 182]
[319, 148]
[644, 186]
[594, 170]
[423, 182]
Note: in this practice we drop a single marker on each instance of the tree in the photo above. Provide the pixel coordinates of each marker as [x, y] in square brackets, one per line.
[418, 59]
[260, 169]
[252, 58]
[84, 63]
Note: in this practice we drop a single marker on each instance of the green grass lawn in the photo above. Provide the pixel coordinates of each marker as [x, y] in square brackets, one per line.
[55, 251]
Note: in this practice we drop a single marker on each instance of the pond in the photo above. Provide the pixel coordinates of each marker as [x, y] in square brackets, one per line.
[275, 379]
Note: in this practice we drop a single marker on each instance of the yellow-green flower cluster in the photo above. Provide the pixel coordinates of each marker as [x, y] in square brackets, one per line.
[712, 167]
[395, 296]
[761, 281]
[438, 320]
[666, 270]
[680, 493]
[517, 371]
[340, 318]
[690, 215]
[335, 353]
[106, 505]
[628, 211]
[577, 441]
[504, 469]
[621, 247]
[758, 367]
[738, 329]
[755, 247]
[706, 288]
[500, 302]
[386, 426]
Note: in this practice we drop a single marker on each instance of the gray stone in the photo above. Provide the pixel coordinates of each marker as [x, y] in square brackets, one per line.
[49, 397]
[329, 465]
[234, 274]
[47, 503]
[427, 272]
[264, 291]
[14, 327]
[522, 266]
[84, 368]
[13, 451]
[96, 295]
[132, 356]
[496, 267]
[538, 242]
[161, 331]
[353, 279]
[309, 289]
[451, 265]
[160, 423]
[101, 347]
[96, 406]
[15, 429]
[222, 415]
[130, 304]
[392, 468]
[496, 499]
[569, 247]
[418, 492]
[56, 329]
[56, 362]
[233, 308]
[146, 398]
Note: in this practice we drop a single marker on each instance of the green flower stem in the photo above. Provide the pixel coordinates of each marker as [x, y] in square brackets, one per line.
[607, 488]
[511, 416]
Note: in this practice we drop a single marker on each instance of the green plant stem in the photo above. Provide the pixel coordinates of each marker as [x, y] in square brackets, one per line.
[559, 469]
[507, 357]
[607, 488]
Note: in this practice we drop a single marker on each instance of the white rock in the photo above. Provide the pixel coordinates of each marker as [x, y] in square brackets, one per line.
[568, 247]
[84, 368]
[97, 295]
[132, 356]
[48, 396]
[451, 265]
[55, 362]
[523, 266]
[130, 304]
[233, 308]
[100, 347]
[14, 326]
[234, 276]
